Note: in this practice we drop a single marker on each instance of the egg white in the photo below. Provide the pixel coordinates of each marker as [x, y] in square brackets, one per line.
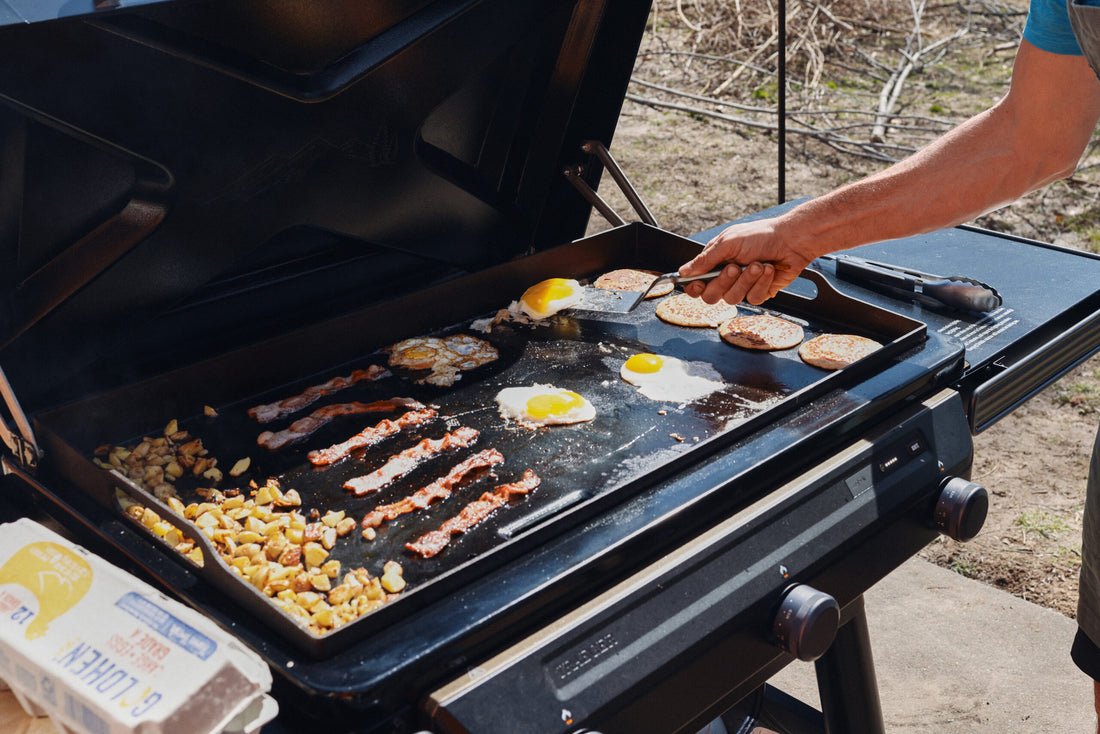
[543, 405]
[546, 298]
[660, 377]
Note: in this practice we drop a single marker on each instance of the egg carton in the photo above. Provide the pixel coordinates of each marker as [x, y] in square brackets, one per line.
[100, 652]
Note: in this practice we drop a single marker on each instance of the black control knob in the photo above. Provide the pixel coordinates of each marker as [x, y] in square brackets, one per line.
[960, 509]
[806, 622]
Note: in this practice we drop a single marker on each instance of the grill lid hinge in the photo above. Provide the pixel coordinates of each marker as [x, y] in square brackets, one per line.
[23, 444]
[574, 175]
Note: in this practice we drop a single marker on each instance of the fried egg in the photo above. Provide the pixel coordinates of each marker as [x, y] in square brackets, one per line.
[660, 377]
[446, 357]
[543, 405]
[545, 299]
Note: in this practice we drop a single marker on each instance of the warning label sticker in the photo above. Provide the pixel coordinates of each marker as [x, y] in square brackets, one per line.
[975, 334]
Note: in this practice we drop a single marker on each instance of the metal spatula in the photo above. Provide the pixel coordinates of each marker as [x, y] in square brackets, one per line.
[612, 301]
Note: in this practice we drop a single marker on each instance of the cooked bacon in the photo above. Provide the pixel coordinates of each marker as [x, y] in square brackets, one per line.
[408, 459]
[370, 436]
[286, 406]
[437, 490]
[302, 427]
[430, 543]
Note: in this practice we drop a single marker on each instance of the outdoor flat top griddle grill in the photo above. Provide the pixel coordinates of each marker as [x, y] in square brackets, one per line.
[223, 203]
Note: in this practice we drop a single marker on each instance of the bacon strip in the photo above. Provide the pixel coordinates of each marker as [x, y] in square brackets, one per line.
[370, 436]
[437, 490]
[430, 543]
[286, 406]
[302, 427]
[408, 459]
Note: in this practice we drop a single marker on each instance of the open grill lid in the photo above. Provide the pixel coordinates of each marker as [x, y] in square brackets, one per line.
[180, 178]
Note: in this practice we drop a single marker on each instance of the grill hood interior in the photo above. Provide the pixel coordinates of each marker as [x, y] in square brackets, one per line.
[182, 178]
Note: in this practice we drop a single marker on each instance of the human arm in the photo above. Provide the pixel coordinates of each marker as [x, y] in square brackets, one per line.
[1033, 136]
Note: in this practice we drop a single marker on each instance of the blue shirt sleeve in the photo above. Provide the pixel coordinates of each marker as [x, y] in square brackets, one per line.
[1048, 28]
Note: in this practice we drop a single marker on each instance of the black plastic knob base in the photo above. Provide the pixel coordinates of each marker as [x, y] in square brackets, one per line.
[960, 509]
[806, 623]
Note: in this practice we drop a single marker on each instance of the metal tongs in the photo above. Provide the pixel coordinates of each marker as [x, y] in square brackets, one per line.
[954, 291]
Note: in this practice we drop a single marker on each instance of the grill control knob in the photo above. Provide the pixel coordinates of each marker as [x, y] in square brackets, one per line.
[806, 622]
[960, 509]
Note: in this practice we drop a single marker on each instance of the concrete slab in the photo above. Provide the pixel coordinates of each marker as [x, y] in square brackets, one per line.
[955, 656]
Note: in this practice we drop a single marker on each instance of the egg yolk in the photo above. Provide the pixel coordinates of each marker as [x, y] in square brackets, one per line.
[561, 403]
[644, 363]
[541, 295]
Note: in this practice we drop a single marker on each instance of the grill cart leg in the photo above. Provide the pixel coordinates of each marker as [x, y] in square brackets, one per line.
[846, 678]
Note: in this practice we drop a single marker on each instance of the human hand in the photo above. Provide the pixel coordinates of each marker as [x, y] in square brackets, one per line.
[759, 262]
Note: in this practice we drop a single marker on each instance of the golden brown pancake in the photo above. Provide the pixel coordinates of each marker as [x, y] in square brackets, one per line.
[684, 310]
[836, 351]
[761, 331]
[630, 279]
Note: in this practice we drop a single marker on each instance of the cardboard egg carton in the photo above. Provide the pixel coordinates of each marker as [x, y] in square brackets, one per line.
[101, 652]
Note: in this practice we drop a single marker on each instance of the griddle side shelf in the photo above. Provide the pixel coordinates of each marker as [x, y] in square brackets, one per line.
[1016, 383]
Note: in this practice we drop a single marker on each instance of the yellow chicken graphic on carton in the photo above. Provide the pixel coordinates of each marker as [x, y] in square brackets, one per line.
[57, 577]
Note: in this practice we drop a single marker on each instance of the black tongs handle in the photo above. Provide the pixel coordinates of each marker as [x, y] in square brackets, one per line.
[956, 292]
[961, 294]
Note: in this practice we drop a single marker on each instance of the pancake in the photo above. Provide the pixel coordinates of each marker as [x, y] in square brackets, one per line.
[761, 331]
[684, 310]
[836, 351]
[630, 279]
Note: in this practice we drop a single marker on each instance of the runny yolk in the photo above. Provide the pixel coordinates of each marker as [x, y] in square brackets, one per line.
[541, 295]
[644, 363]
[561, 403]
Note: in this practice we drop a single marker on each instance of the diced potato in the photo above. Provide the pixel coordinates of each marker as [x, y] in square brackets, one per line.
[173, 536]
[249, 536]
[332, 519]
[232, 503]
[290, 498]
[240, 467]
[393, 583]
[340, 594]
[323, 618]
[291, 556]
[313, 555]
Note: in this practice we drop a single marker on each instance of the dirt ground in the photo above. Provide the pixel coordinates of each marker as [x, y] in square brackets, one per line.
[696, 171]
